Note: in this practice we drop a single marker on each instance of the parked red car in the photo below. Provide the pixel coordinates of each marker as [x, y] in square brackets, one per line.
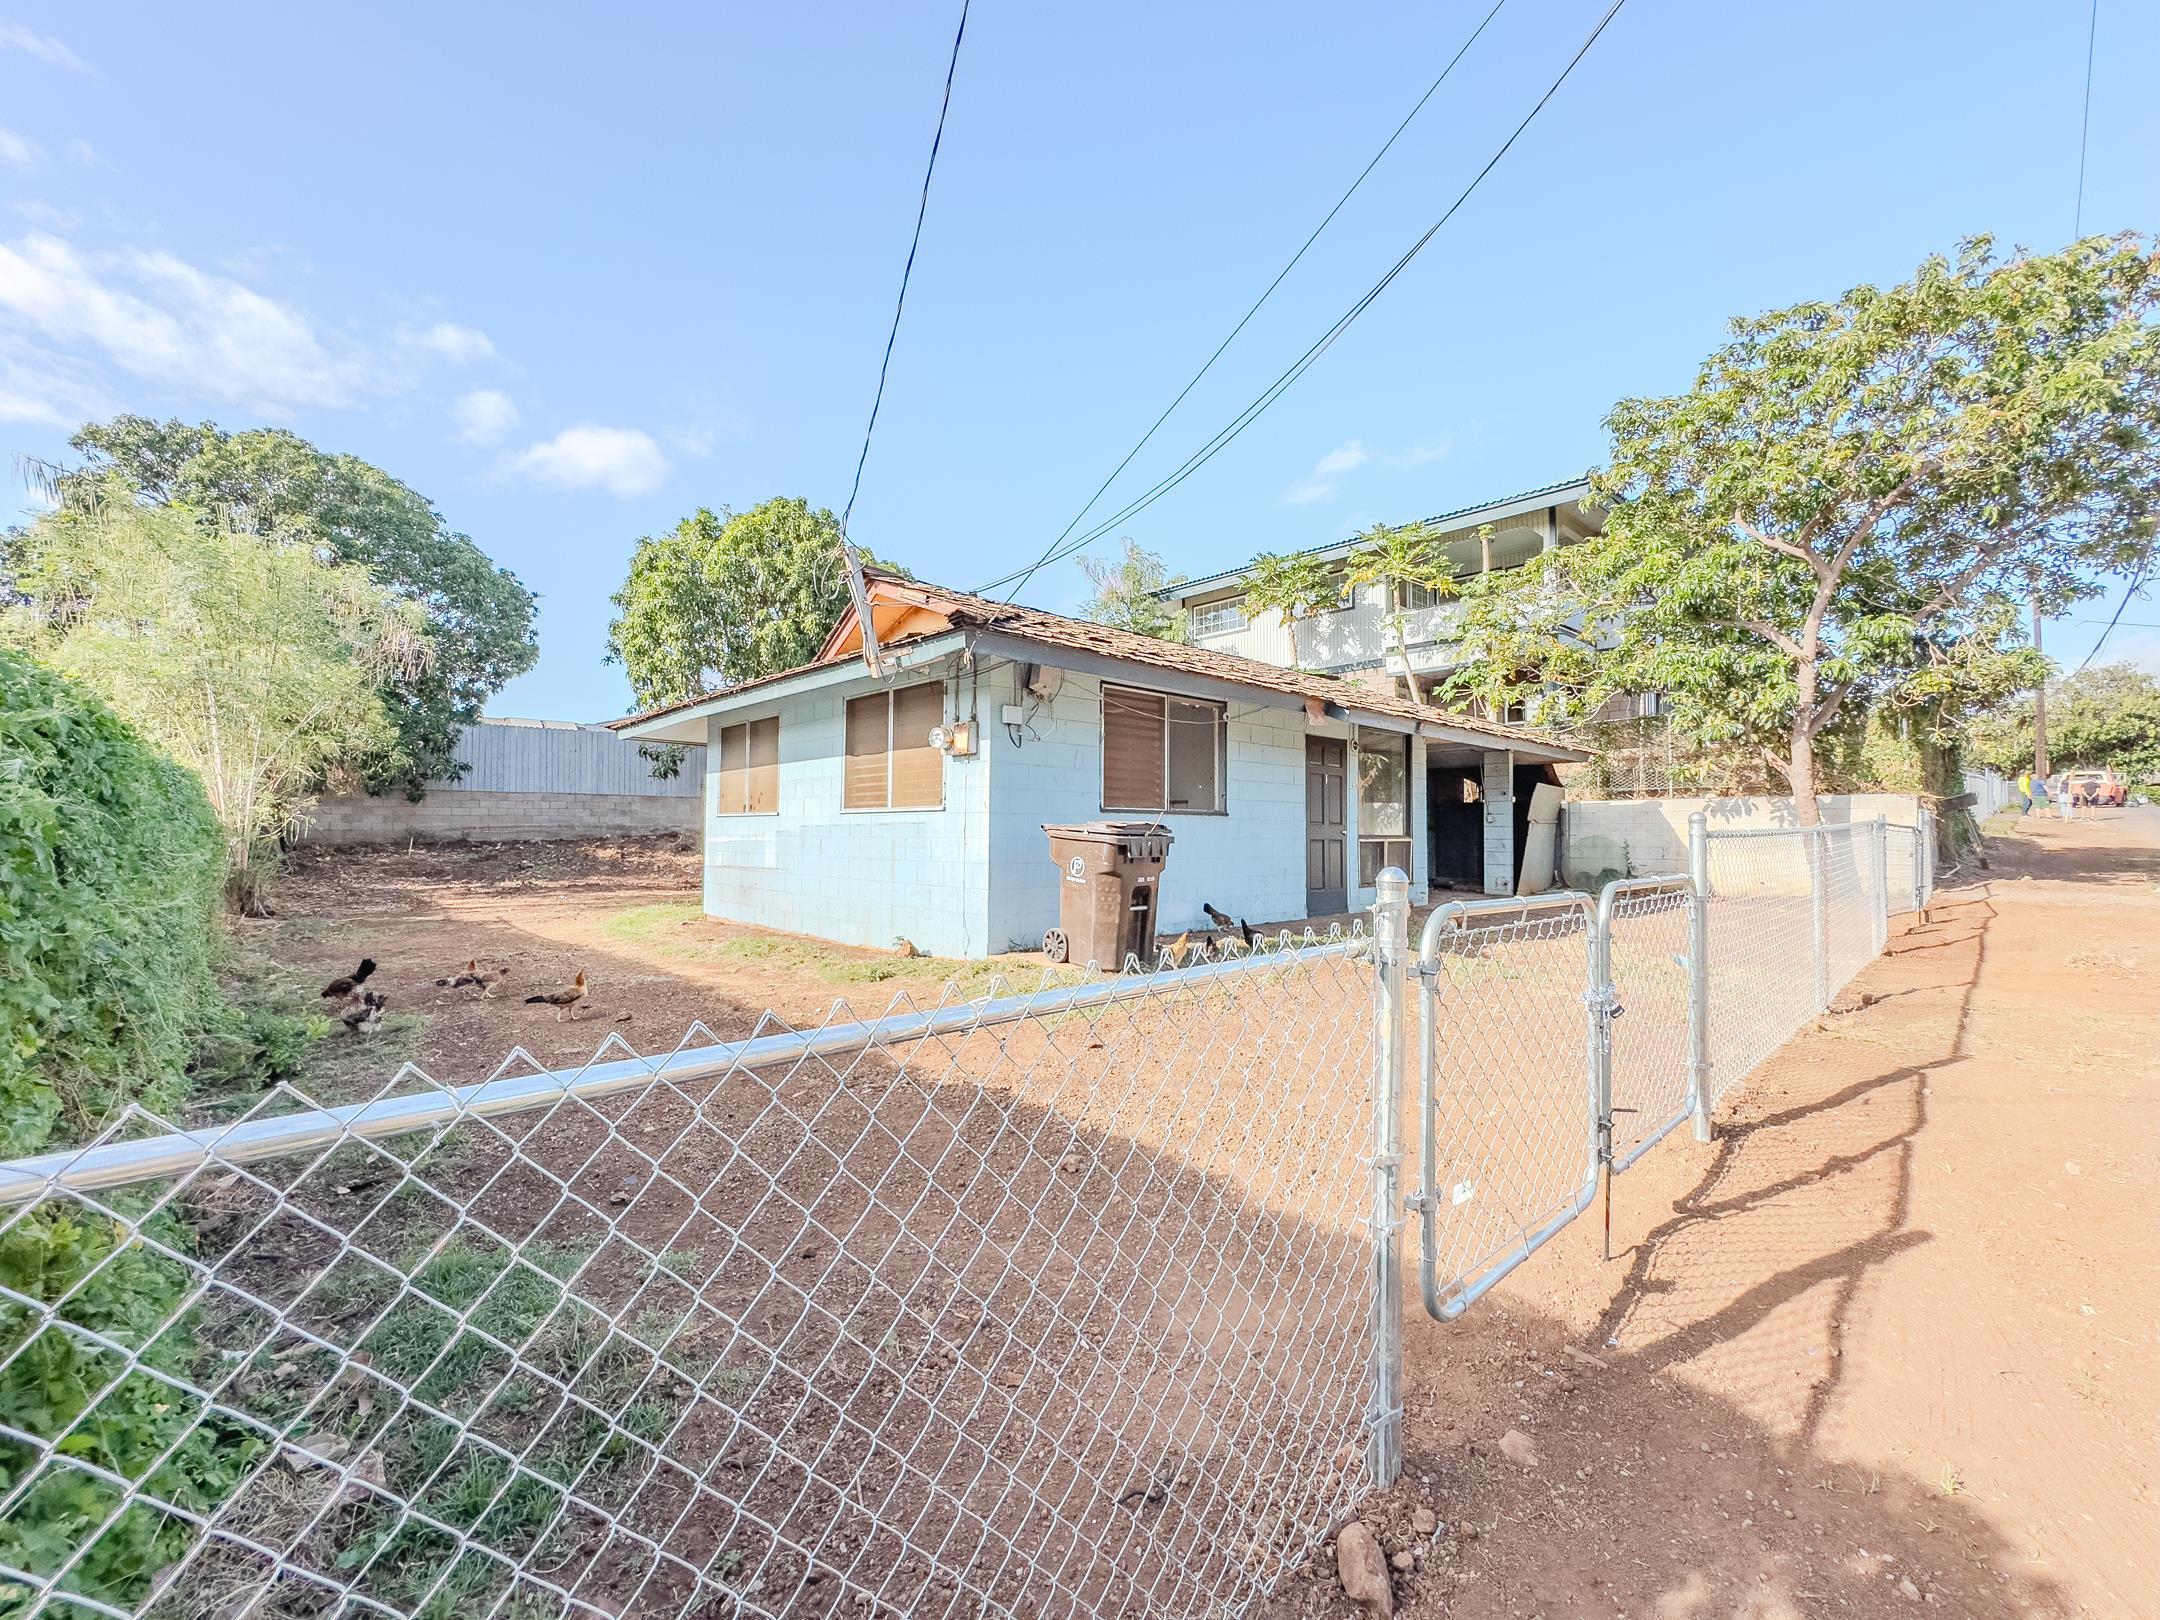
[2097, 787]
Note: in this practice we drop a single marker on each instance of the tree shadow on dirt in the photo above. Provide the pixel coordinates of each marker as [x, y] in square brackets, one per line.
[1680, 1469]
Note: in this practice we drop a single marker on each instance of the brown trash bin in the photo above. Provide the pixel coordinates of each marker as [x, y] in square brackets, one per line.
[1108, 875]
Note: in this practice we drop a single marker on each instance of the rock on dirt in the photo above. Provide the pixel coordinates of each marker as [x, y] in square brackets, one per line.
[1518, 1447]
[1362, 1569]
[1424, 1521]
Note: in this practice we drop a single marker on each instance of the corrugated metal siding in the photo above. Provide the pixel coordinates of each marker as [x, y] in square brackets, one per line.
[524, 756]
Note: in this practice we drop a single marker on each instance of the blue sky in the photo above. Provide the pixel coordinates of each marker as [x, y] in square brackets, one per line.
[575, 271]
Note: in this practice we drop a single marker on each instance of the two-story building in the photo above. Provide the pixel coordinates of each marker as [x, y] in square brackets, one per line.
[1410, 641]
[1359, 635]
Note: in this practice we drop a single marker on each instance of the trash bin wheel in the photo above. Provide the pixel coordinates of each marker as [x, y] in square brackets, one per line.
[1056, 946]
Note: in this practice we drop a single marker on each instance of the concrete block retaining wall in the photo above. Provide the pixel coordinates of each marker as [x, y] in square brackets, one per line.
[526, 781]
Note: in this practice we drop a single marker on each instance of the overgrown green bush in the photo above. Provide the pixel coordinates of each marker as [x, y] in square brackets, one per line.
[112, 872]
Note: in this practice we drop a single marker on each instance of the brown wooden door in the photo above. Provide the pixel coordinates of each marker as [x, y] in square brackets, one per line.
[1327, 761]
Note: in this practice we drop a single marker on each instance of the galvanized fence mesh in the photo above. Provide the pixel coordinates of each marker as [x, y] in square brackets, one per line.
[1507, 1081]
[1793, 916]
[1647, 945]
[1060, 1308]
[1082, 1303]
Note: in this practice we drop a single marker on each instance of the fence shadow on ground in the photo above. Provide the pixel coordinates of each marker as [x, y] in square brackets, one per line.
[1650, 1490]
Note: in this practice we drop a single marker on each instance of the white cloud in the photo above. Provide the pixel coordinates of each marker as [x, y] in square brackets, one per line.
[17, 152]
[1321, 483]
[207, 336]
[484, 416]
[460, 345]
[82, 152]
[43, 389]
[622, 461]
[693, 442]
[15, 37]
[1343, 458]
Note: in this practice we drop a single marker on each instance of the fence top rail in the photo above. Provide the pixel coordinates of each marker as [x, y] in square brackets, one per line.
[151, 1158]
[1865, 824]
[1627, 888]
[1458, 914]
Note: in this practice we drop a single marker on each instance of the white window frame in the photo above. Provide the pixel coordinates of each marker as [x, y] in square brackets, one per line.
[1202, 618]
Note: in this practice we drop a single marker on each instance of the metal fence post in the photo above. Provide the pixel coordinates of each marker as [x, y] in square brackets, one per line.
[1698, 1000]
[1881, 843]
[1819, 907]
[1602, 997]
[1391, 972]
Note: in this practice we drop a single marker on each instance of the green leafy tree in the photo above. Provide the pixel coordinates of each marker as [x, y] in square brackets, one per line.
[1848, 507]
[2109, 715]
[1297, 586]
[1393, 560]
[479, 617]
[248, 658]
[1127, 594]
[726, 597]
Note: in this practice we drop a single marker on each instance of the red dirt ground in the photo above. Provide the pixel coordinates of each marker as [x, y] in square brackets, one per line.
[1896, 1325]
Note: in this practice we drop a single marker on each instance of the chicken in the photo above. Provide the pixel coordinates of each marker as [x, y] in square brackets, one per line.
[1223, 920]
[474, 977]
[365, 1015]
[489, 979]
[342, 989]
[1175, 952]
[565, 1001]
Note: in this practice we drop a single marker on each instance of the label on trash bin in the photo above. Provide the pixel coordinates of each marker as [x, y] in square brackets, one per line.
[1076, 870]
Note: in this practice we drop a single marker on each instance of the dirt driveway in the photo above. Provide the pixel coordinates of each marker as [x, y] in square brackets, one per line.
[1895, 1326]
[1887, 1345]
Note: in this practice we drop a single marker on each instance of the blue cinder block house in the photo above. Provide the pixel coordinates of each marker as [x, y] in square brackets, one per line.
[865, 808]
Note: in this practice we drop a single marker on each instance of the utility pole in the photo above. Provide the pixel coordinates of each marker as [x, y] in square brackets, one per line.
[2040, 757]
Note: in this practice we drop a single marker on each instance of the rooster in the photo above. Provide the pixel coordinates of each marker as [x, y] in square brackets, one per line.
[342, 989]
[565, 1001]
[1223, 920]
[463, 976]
[365, 1015]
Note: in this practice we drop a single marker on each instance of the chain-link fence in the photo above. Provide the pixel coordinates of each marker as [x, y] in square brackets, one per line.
[1561, 1039]
[1083, 1303]
[1060, 1305]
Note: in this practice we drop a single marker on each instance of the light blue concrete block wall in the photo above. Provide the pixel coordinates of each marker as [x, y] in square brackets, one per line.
[862, 877]
[1249, 862]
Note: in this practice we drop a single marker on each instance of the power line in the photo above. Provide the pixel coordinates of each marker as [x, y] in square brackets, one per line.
[921, 209]
[2092, 32]
[1266, 293]
[2136, 581]
[1305, 361]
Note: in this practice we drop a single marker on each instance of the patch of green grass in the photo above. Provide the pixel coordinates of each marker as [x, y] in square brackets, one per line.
[669, 930]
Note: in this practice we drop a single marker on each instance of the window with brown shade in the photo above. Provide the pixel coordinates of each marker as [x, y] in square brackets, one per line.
[890, 764]
[749, 769]
[1161, 753]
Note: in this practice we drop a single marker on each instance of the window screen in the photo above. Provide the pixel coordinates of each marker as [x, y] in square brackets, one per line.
[890, 764]
[1383, 809]
[749, 769]
[1161, 753]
